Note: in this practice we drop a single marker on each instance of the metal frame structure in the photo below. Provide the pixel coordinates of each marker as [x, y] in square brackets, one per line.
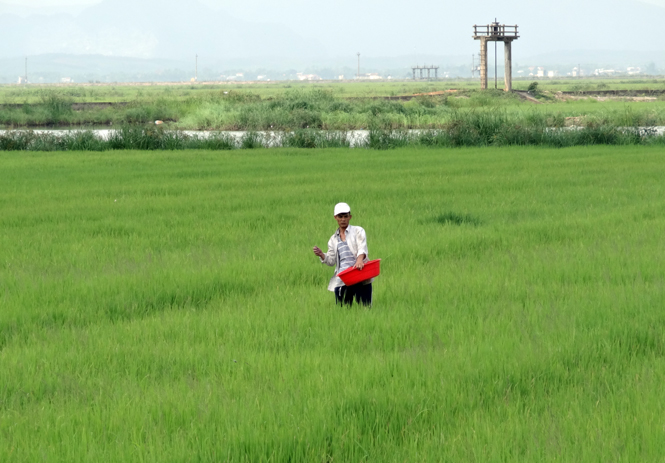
[429, 69]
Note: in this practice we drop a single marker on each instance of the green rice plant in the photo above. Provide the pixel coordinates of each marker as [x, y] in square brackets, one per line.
[166, 306]
[452, 218]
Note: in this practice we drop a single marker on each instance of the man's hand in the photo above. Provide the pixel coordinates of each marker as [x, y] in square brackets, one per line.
[360, 262]
[318, 252]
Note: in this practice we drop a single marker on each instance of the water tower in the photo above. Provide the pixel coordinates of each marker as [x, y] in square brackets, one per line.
[496, 32]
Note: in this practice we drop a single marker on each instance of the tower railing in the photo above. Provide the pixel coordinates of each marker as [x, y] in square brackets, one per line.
[495, 30]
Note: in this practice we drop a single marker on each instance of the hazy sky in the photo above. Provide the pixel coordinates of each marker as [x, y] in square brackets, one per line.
[378, 28]
[229, 4]
[233, 5]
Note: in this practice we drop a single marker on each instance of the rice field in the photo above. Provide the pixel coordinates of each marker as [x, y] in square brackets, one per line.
[166, 306]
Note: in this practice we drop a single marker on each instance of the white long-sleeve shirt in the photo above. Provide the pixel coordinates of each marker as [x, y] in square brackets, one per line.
[357, 242]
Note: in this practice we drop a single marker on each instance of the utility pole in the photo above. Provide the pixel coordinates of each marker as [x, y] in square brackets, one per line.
[26, 69]
[196, 69]
[358, 75]
[475, 68]
[496, 85]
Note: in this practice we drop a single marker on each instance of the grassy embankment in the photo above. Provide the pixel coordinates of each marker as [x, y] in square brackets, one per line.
[166, 307]
[12, 94]
[341, 106]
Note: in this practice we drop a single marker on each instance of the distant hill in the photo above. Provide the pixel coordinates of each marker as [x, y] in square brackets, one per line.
[149, 29]
[51, 68]
[598, 58]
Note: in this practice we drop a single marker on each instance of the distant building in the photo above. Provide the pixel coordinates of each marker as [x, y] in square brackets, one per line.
[604, 72]
[551, 74]
[634, 71]
[370, 76]
[302, 76]
[22, 80]
[67, 80]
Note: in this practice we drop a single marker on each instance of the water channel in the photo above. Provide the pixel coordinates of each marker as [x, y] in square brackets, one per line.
[270, 139]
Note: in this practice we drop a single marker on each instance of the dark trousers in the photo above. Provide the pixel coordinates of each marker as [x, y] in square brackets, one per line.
[360, 292]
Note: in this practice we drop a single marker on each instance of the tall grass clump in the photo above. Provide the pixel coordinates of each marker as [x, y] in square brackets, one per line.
[502, 129]
[314, 139]
[57, 106]
[458, 135]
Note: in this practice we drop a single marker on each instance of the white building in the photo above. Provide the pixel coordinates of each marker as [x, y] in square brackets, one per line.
[302, 76]
[370, 76]
[604, 72]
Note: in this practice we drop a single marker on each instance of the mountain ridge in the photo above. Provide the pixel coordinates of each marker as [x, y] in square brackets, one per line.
[154, 29]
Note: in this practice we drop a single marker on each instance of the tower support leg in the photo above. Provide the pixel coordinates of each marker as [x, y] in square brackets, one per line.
[508, 65]
[483, 63]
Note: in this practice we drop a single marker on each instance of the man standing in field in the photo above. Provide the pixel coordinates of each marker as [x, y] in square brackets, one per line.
[347, 248]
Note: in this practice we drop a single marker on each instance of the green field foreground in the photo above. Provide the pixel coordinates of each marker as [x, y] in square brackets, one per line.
[167, 307]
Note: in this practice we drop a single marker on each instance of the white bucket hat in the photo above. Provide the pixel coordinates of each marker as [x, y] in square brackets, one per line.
[342, 208]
